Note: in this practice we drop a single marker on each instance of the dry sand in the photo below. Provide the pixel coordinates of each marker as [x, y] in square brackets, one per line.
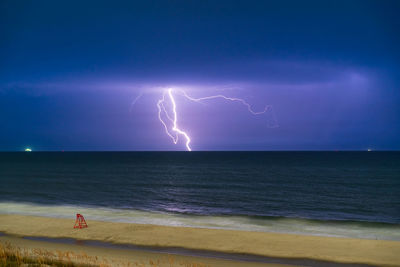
[344, 250]
[105, 256]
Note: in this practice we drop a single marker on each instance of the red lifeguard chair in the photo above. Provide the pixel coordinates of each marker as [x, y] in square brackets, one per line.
[80, 222]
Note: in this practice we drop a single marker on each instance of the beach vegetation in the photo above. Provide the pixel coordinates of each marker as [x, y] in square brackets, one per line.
[12, 256]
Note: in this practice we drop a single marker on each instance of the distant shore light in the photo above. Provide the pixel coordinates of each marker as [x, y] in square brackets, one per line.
[28, 149]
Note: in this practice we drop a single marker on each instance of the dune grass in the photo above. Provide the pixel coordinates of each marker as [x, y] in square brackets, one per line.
[14, 256]
[11, 256]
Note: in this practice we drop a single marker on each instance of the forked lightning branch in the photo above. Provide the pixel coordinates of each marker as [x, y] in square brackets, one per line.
[169, 117]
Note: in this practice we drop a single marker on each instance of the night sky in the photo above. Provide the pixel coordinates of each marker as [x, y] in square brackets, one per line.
[70, 71]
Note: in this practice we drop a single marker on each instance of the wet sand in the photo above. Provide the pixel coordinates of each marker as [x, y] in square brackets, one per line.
[340, 250]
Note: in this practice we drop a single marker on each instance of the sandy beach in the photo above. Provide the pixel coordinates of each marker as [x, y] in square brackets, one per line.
[341, 250]
[106, 256]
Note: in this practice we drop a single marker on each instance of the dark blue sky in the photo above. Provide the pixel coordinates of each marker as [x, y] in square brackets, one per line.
[69, 72]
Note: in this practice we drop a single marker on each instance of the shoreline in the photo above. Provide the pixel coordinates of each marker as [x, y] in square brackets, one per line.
[275, 224]
[272, 245]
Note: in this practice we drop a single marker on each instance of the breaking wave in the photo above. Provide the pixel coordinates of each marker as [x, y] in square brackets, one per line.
[335, 228]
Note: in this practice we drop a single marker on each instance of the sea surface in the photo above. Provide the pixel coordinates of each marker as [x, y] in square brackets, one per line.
[344, 194]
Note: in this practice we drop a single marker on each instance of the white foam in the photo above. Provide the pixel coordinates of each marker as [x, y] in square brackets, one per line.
[281, 225]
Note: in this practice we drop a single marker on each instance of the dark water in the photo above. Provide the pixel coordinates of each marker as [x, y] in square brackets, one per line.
[271, 191]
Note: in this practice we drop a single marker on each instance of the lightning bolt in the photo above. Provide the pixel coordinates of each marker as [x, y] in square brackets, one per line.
[164, 115]
[266, 108]
[174, 119]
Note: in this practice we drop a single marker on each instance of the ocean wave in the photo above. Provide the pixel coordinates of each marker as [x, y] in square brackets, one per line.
[335, 228]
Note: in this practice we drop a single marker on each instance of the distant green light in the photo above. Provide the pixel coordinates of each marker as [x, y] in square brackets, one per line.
[28, 149]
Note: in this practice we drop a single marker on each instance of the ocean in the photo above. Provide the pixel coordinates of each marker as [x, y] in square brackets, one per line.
[343, 194]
